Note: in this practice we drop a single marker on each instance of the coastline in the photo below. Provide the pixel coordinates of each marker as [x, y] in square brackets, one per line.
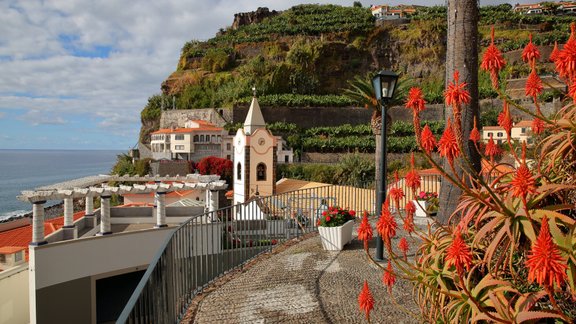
[50, 212]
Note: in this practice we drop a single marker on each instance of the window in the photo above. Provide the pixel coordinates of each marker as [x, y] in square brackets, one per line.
[500, 134]
[18, 257]
[179, 147]
[196, 138]
[261, 172]
[228, 157]
[523, 130]
[201, 138]
[179, 137]
[213, 139]
[239, 171]
[286, 158]
[228, 146]
[2, 258]
[488, 134]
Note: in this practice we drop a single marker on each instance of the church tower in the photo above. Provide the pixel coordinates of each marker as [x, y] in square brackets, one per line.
[254, 157]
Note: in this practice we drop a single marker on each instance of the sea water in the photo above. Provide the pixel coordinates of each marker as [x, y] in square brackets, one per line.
[29, 169]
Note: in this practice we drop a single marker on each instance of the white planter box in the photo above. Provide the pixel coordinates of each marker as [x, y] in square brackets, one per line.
[421, 211]
[334, 238]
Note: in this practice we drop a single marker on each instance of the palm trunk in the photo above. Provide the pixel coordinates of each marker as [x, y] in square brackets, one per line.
[461, 55]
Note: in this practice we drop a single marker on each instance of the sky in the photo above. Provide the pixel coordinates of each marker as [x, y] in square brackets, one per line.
[75, 74]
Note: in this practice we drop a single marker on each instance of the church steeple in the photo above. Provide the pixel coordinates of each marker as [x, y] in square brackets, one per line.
[254, 119]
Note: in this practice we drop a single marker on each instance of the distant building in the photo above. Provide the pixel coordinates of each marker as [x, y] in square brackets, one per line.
[521, 132]
[392, 12]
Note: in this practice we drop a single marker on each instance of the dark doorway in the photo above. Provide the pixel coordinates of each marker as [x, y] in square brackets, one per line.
[112, 294]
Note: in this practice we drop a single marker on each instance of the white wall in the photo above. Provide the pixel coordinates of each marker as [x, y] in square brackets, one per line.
[14, 301]
[68, 260]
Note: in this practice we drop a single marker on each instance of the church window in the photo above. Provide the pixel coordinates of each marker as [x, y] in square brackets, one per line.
[239, 171]
[261, 172]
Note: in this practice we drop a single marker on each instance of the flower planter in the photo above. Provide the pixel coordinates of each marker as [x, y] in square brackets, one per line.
[334, 238]
[421, 206]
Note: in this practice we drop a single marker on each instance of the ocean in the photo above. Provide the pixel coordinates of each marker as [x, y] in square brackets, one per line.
[28, 169]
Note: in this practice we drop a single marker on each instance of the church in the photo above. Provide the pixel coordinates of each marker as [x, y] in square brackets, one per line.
[255, 157]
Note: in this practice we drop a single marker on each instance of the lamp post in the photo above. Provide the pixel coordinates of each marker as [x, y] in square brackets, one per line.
[384, 83]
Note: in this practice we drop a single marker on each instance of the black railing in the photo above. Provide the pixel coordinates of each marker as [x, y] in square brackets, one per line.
[210, 245]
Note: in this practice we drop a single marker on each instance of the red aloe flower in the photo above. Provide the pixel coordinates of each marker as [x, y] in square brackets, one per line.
[365, 300]
[474, 133]
[533, 85]
[523, 182]
[396, 193]
[545, 263]
[448, 144]
[416, 100]
[410, 208]
[456, 93]
[572, 90]
[537, 126]
[566, 60]
[492, 61]
[403, 246]
[427, 140]
[458, 254]
[365, 230]
[505, 120]
[412, 178]
[386, 225]
[530, 52]
[492, 150]
[389, 278]
[555, 53]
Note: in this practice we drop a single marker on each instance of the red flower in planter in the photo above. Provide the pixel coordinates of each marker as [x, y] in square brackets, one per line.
[545, 263]
[530, 53]
[492, 61]
[389, 278]
[458, 254]
[365, 300]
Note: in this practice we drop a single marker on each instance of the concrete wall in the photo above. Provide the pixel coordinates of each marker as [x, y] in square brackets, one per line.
[14, 301]
[60, 269]
[143, 215]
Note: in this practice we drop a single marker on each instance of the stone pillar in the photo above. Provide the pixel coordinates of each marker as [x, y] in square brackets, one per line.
[105, 227]
[38, 223]
[68, 212]
[213, 201]
[160, 201]
[89, 206]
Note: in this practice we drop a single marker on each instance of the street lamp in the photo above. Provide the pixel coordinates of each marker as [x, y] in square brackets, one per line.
[384, 83]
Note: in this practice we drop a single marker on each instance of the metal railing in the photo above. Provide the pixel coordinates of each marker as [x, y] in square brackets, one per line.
[210, 245]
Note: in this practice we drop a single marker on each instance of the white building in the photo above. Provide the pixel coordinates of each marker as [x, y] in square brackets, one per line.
[255, 157]
[521, 132]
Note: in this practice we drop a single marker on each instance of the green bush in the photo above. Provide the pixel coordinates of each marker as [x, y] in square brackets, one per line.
[217, 59]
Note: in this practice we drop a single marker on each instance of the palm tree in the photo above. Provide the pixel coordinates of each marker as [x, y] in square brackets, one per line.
[362, 92]
[461, 55]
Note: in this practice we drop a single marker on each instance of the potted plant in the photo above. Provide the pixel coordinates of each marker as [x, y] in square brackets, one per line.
[426, 204]
[335, 227]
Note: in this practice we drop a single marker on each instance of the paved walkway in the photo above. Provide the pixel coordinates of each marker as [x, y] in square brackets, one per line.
[305, 284]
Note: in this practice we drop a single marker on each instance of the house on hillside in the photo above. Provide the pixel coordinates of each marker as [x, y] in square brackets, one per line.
[521, 132]
[392, 12]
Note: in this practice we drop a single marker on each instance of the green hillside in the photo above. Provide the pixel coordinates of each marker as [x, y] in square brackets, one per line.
[305, 55]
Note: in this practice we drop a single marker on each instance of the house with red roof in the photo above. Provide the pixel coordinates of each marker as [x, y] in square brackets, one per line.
[521, 132]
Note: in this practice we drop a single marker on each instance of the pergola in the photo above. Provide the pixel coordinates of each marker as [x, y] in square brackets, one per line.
[97, 186]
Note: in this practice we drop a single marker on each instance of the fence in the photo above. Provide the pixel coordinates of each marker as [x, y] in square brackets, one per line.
[210, 245]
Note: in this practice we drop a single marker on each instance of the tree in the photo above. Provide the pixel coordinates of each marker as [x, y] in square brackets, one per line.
[216, 165]
[357, 4]
[461, 56]
[362, 92]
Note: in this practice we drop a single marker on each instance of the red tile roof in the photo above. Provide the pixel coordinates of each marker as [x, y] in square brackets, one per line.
[11, 249]
[176, 193]
[203, 126]
[22, 236]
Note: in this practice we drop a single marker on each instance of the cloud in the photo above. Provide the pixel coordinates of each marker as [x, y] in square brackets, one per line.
[99, 61]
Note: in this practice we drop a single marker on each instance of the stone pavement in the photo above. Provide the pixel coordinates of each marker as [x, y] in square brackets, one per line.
[305, 284]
